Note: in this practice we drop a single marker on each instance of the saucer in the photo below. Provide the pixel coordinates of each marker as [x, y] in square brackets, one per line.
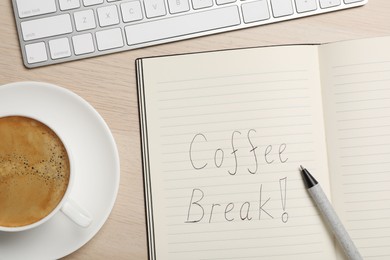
[96, 165]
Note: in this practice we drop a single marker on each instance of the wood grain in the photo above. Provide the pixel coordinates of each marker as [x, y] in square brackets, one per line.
[108, 83]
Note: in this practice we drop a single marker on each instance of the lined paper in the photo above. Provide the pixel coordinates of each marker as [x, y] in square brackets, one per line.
[224, 136]
[356, 87]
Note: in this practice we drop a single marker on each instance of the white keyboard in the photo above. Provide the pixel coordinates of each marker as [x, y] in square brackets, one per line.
[54, 31]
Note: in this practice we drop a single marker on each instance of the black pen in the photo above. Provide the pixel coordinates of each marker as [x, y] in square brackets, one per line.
[330, 216]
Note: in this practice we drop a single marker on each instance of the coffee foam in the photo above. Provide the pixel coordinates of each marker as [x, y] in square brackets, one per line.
[34, 171]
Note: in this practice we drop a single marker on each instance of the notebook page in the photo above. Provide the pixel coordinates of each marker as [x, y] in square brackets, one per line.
[356, 91]
[226, 133]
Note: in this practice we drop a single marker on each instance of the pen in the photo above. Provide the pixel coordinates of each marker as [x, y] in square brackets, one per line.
[330, 216]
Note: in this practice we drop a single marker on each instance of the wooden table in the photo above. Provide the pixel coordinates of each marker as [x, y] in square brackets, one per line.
[108, 83]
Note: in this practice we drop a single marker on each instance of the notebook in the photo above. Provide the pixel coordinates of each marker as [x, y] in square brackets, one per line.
[224, 133]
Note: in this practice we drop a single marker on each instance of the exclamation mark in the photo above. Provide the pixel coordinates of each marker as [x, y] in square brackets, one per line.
[283, 196]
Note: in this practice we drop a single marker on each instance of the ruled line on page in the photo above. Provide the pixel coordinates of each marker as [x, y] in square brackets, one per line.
[366, 191]
[253, 212]
[228, 111]
[371, 210]
[368, 228]
[178, 170]
[240, 84]
[238, 176]
[177, 166]
[191, 96]
[303, 153]
[365, 155]
[363, 127]
[197, 88]
[256, 229]
[363, 100]
[247, 247]
[361, 72]
[300, 197]
[366, 219]
[361, 91]
[218, 176]
[177, 205]
[365, 182]
[364, 164]
[366, 145]
[360, 64]
[186, 143]
[362, 82]
[364, 173]
[232, 76]
[363, 118]
[369, 237]
[240, 238]
[363, 136]
[218, 139]
[263, 227]
[241, 120]
[231, 184]
[229, 121]
[224, 103]
[361, 109]
[303, 253]
[180, 145]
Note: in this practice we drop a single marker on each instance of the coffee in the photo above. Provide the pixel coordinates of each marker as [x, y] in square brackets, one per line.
[34, 171]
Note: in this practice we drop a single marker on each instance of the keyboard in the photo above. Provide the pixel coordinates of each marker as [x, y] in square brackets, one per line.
[55, 31]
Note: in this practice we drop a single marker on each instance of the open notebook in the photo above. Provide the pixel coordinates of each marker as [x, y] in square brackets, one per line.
[223, 134]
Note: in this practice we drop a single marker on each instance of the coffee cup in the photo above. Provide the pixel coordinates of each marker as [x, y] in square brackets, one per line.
[37, 174]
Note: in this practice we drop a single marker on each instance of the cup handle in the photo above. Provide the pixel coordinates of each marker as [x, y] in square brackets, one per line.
[76, 213]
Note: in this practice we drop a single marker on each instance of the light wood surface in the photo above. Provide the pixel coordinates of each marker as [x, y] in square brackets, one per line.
[109, 84]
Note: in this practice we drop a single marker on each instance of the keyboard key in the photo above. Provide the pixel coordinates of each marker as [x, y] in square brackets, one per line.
[306, 5]
[131, 11]
[178, 6]
[109, 39]
[222, 2]
[255, 11]
[329, 3]
[282, 8]
[46, 27]
[83, 44]
[27, 8]
[92, 2]
[351, 1]
[108, 15]
[59, 48]
[36, 52]
[199, 4]
[84, 20]
[195, 22]
[69, 4]
[154, 8]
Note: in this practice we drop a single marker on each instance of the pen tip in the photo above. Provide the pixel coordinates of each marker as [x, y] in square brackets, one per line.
[308, 179]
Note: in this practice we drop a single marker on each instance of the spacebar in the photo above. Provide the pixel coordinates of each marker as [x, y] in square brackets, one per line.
[182, 25]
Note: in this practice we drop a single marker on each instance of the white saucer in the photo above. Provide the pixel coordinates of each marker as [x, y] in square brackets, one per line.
[96, 166]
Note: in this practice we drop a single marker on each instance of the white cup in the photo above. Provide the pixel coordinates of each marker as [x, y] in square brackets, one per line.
[69, 207]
